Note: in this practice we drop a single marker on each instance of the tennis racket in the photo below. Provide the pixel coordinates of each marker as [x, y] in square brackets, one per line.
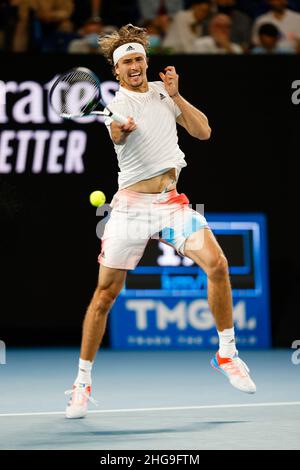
[77, 93]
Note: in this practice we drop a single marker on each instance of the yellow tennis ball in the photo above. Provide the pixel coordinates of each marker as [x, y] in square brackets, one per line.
[97, 198]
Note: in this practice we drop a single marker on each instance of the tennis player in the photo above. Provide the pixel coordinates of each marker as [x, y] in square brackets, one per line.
[147, 205]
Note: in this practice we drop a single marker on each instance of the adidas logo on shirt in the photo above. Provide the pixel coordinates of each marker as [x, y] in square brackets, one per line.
[162, 97]
[130, 48]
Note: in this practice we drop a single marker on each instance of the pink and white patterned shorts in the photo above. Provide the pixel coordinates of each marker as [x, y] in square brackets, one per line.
[137, 217]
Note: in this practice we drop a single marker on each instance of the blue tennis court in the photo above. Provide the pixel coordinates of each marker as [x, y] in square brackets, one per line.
[149, 400]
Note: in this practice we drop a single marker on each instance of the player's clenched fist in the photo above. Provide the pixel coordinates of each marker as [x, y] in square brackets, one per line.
[170, 79]
[130, 126]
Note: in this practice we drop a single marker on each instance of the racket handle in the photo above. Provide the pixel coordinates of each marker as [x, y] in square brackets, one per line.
[119, 118]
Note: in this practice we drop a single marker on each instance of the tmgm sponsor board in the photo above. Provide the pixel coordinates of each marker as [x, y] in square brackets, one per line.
[151, 313]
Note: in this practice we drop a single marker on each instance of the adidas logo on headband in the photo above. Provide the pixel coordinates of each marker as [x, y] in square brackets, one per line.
[130, 48]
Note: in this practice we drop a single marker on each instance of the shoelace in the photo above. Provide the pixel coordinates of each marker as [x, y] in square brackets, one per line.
[237, 367]
[82, 391]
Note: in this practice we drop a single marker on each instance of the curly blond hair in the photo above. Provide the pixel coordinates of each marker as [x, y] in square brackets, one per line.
[128, 33]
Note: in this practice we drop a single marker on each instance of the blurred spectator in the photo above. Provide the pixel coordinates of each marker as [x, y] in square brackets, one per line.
[240, 22]
[59, 40]
[287, 21]
[150, 8]
[269, 37]
[218, 41]
[119, 12]
[52, 13]
[88, 43]
[35, 20]
[162, 21]
[20, 21]
[187, 26]
[155, 38]
[157, 29]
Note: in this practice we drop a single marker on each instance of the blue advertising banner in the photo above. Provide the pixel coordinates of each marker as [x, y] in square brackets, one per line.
[164, 303]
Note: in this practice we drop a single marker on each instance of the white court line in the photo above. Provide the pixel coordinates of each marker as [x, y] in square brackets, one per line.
[172, 408]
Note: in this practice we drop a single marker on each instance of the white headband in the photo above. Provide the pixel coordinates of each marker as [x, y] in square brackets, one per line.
[128, 48]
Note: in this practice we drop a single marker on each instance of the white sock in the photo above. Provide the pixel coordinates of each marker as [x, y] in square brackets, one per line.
[84, 372]
[227, 343]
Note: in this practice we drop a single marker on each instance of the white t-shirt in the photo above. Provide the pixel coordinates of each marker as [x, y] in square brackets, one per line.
[153, 147]
[289, 26]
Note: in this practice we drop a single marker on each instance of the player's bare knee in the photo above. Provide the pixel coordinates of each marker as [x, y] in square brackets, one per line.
[104, 299]
[218, 268]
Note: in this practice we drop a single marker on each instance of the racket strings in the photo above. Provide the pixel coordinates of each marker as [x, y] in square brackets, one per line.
[77, 93]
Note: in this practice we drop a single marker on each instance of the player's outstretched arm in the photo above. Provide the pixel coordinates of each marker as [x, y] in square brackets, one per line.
[191, 118]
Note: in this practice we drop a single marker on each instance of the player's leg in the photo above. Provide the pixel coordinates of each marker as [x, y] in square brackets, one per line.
[110, 283]
[204, 250]
[188, 231]
[123, 243]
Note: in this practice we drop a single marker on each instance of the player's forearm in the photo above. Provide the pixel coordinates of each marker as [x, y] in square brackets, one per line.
[119, 137]
[196, 122]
